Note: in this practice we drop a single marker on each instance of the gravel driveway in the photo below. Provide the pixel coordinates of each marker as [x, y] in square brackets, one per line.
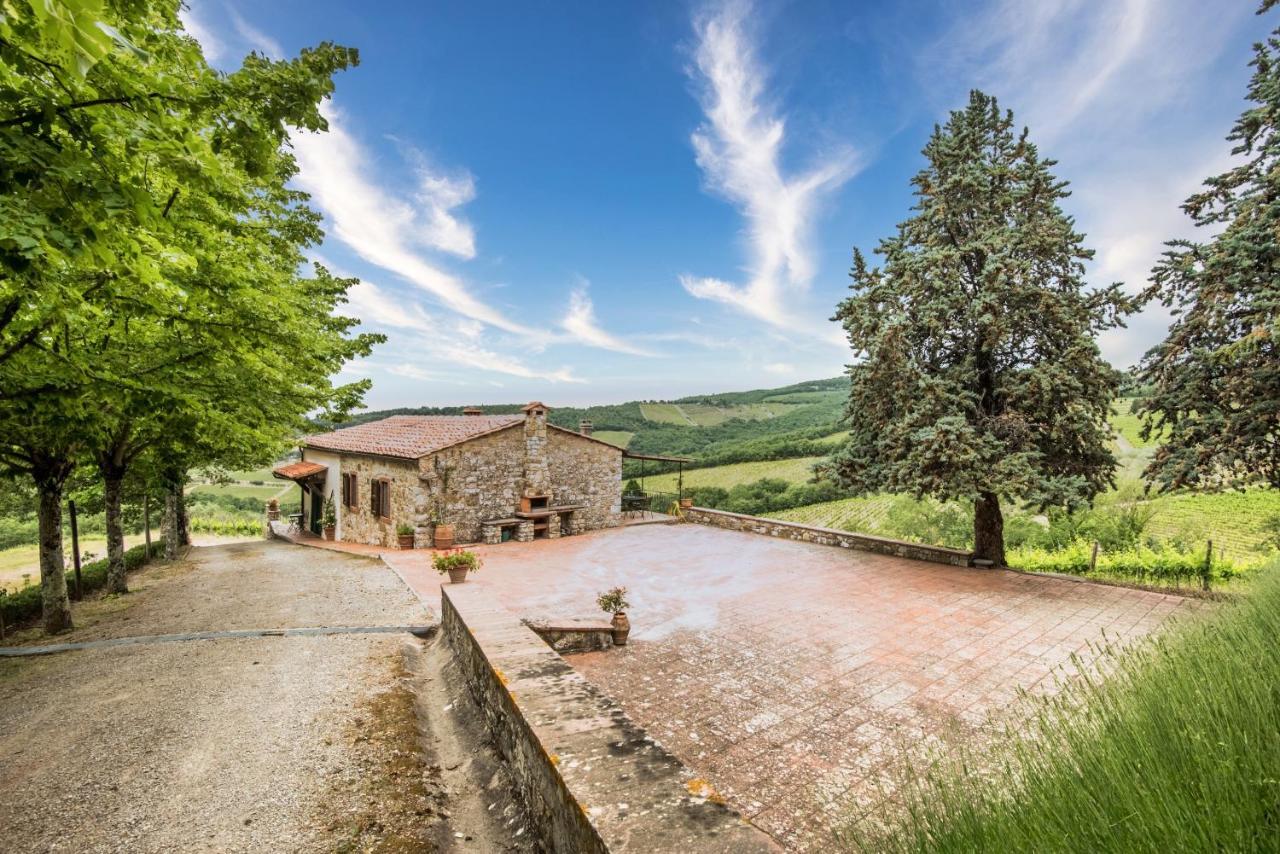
[247, 744]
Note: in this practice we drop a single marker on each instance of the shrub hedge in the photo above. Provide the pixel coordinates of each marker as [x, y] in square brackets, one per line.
[25, 605]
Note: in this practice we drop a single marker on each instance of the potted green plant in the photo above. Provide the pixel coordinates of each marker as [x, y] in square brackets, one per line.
[442, 532]
[614, 601]
[456, 562]
[404, 535]
[328, 518]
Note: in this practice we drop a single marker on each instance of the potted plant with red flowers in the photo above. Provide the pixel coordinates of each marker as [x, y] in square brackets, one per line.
[615, 602]
[456, 562]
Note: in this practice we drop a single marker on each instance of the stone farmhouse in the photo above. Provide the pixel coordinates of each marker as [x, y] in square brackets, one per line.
[493, 477]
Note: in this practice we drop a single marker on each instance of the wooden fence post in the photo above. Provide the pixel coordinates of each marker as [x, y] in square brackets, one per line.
[75, 548]
[1206, 574]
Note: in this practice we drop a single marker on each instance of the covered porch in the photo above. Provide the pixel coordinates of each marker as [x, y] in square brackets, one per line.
[310, 478]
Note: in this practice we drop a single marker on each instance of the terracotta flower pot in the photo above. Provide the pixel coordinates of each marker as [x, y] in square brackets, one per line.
[328, 532]
[405, 540]
[621, 628]
[686, 503]
[443, 536]
[457, 575]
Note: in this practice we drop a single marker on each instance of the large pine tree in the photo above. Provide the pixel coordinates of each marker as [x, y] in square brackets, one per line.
[977, 376]
[1215, 379]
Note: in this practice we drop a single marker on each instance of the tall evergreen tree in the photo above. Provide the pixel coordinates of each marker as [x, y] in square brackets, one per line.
[977, 376]
[1215, 379]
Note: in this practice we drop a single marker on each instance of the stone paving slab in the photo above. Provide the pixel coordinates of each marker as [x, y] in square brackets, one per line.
[797, 677]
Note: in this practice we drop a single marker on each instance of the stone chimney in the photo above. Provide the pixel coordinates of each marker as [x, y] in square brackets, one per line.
[584, 426]
[473, 410]
[537, 476]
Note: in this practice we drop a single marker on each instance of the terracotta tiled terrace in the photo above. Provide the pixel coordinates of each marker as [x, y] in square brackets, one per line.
[794, 677]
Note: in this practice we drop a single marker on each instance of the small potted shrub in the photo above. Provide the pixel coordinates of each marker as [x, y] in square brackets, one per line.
[328, 518]
[615, 602]
[686, 503]
[456, 562]
[404, 534]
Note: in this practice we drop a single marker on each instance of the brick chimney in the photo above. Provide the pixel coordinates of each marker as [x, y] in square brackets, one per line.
[473, 410]
[584, 426]
[537, 476]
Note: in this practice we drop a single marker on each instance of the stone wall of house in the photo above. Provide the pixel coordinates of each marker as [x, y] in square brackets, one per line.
[361, 525]
[584, 471]
[486, 478]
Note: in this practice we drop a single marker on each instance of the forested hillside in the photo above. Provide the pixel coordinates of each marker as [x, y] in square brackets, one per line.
[713, 429]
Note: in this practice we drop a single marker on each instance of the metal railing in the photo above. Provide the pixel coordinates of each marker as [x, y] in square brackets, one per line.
[650, 502]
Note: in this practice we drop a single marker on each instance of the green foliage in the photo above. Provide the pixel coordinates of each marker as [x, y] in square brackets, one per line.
[1157, 564]
[404, 530]
[766, 495]
[1176, 750]
[328, 515]
[613, 600]
[456, 559]
[979, 373]
[1215, 379]
[632, 488]
[24, 605]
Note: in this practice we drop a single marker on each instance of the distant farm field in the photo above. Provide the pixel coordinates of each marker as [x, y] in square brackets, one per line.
[727, 477]
[665, 413]
[621, 438]
[270, 489]
[864, 515]
[1235, 521]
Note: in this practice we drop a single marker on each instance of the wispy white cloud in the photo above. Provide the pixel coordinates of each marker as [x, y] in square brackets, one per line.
[258, 40]
[739, 148]
[196, 27]
[383, 227]
[1103, 89]
[431, 341]
[580, 322]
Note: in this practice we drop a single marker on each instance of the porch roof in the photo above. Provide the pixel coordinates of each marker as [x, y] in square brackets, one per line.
[301, 470]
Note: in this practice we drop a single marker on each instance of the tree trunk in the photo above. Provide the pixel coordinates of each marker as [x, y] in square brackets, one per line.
[55, 607]
[184, 524]
[988, 529]
[170, 525]
[112, 484]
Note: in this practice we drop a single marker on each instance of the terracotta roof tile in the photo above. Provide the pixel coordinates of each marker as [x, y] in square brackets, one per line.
[300, 469]
[411, 436]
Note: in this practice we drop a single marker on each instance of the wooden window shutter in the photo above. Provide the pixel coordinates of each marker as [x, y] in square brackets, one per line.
[386, 499]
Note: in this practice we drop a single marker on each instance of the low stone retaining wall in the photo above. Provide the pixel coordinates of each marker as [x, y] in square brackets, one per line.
[574, 635]
[591, 780]
[826, 536]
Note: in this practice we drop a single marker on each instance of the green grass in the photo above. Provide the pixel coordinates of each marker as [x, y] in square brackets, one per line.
[262, 474]
[272, 489]
[1177, 750]
[1129, 425]
[727, 477]
[834, 439]
[621, 438]
[664, 413]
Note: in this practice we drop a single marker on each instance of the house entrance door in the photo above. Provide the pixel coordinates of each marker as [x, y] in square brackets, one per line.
[317, 510]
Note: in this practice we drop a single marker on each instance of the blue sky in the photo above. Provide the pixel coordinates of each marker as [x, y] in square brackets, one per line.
[596, 202]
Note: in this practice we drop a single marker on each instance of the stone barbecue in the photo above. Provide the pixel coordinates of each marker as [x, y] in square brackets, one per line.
[492, 477]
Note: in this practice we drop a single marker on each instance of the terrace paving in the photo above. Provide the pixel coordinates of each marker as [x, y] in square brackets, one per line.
[796, 677]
